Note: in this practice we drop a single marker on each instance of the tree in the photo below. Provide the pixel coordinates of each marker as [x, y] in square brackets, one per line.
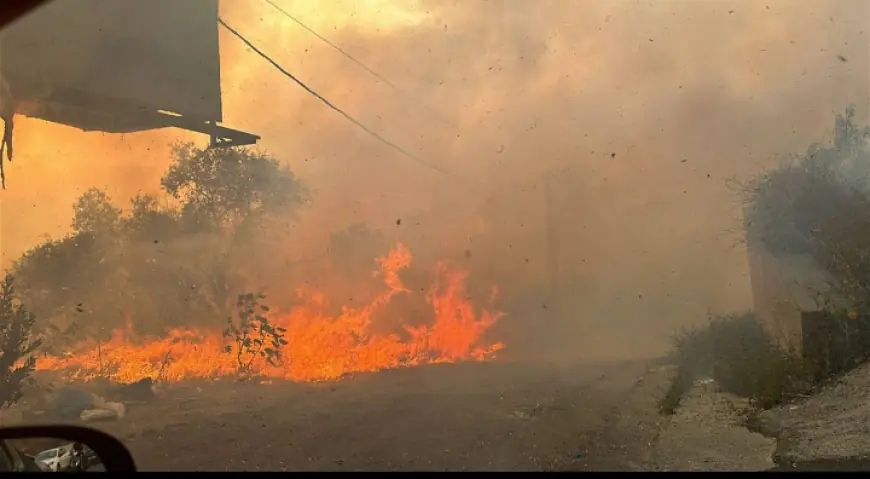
[220, 187]
[789, 203]
[162, 262]
[842, 246]
[17, 344]
[228, 192]
[80, 278]
[93, 212]
[57, 275]
[149, 221]
[850, 147]
[818, 205]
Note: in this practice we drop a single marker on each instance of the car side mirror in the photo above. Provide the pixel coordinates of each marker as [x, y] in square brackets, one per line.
[95, 450]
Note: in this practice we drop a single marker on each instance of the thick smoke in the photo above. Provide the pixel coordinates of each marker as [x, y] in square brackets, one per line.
[637, 112]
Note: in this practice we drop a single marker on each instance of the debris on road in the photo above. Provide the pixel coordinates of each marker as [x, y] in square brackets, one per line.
[70, 403]
[103, 410]
[828, 425]
[67, 403]
[91, 415]
[707, 433]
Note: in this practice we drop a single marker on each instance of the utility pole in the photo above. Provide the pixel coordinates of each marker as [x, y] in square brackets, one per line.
[552, 242]
[548, 328]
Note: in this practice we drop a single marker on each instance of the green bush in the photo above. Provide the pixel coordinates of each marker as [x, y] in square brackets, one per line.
[738, 353]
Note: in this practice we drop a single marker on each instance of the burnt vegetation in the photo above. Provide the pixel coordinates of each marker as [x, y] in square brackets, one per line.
[817, 205]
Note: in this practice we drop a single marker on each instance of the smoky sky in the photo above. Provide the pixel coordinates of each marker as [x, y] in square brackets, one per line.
[630, 116]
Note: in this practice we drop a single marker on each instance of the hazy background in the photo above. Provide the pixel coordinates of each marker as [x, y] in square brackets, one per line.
[639, 111]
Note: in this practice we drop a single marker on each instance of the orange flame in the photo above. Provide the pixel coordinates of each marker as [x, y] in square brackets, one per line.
[319, 347]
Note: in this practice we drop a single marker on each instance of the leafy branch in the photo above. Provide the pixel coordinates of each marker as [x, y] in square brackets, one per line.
[253, 336]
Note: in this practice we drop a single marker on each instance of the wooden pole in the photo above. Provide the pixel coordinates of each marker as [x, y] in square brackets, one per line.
[552, 243]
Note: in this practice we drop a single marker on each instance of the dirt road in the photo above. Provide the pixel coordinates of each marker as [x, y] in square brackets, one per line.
[444, 417]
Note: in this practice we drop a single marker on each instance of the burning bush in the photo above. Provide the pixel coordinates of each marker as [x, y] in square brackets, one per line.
[319, 346]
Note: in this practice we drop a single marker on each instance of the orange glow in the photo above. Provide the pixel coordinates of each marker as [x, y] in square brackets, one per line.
[319, 347]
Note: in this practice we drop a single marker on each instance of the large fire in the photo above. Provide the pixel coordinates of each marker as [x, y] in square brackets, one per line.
[319, 347]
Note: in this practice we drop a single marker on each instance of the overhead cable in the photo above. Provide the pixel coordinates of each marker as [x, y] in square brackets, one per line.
[329, 104]
[350, 57]
[333, 45]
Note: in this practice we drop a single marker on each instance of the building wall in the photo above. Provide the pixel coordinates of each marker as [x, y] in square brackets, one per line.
[772, 300]
[783, 286]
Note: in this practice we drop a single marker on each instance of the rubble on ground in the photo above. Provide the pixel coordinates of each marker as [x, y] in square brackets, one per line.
[707, 433]
[103, 410]
[834, 423]
[70, 403]
[67, 403]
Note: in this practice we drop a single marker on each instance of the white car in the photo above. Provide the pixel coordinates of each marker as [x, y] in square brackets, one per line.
[56, 459]
[43, 467]
[13, 460]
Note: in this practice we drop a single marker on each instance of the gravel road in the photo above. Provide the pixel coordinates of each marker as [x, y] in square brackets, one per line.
[445, 417]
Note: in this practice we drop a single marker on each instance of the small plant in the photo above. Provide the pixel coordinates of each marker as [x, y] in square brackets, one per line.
[17, 344]
[252, 335]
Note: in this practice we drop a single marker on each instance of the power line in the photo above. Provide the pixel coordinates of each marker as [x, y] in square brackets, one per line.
[350, 57]
[330, 105]
[334, 46]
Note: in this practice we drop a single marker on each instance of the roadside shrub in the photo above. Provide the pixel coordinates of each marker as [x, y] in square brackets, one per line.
[738, 353]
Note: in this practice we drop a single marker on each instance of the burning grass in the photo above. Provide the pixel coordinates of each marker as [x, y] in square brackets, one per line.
[320, 346]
